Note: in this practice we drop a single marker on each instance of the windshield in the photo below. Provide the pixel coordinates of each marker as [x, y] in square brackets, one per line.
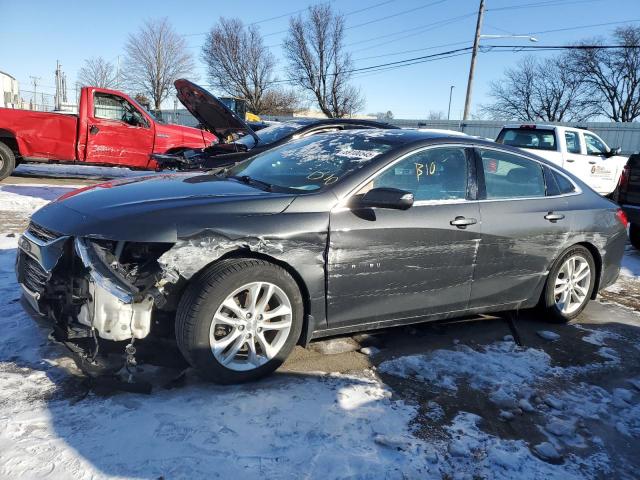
[157, 118]
[270, 134]
[312, 163]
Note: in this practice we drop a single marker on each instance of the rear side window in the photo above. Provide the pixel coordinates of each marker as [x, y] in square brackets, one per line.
[528, 138]
[511, 176]
[564, 184]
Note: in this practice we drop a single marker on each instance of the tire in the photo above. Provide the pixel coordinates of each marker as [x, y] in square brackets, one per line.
[200, 337]
[551, 303]
[634, 235]
[7, 161]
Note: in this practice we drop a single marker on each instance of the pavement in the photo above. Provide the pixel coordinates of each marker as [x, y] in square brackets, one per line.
[562, 404]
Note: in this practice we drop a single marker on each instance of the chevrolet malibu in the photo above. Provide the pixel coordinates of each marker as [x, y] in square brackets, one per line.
[324, 235]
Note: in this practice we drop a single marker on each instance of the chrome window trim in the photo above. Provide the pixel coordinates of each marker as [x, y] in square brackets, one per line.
[342, 203]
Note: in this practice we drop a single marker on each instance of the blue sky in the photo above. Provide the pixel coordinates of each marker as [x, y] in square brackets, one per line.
[41, 32]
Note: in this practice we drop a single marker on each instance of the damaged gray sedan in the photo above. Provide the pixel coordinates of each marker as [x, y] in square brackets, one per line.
[322, 236]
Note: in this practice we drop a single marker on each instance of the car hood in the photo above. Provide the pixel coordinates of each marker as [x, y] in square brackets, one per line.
[210, 111]
[157, 208]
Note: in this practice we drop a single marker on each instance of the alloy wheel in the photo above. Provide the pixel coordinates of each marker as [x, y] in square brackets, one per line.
[251, 326]
[572, 284]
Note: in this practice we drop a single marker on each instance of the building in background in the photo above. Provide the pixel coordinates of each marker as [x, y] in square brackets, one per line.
[10, 97]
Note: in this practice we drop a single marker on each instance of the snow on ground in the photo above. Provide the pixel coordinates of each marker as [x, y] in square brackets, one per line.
[512, 378]
[631, 262]
[27, 199]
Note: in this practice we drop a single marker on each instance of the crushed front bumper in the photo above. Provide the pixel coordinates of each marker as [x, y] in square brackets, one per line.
[108, 305]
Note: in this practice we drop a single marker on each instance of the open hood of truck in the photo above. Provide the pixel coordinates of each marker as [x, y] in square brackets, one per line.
[210, 111]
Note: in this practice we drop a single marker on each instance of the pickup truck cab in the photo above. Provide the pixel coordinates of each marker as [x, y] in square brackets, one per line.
[110, 129]
[577, 150]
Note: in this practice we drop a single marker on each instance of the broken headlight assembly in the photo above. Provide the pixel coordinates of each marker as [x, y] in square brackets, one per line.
[124, 283]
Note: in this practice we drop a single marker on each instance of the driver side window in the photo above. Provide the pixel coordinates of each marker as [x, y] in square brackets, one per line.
[594, 145]
[433, 174]
[113, 107]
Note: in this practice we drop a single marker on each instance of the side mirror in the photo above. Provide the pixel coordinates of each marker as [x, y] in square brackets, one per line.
[613, 152]
[385, 198]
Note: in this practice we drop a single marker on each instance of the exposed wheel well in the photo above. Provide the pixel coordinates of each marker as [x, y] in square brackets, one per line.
[9, 139]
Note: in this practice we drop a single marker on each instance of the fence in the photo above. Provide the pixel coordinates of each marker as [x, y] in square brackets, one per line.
[40, 101]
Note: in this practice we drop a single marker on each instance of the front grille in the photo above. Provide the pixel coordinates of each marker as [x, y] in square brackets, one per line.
[33, 276]
[42, 233]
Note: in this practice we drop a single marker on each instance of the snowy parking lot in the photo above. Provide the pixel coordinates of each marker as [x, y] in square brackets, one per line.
[451, 400]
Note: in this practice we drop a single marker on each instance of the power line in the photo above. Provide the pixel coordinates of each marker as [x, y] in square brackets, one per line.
[548, 3]
[404, 12]
[420, 30]
[465, 51]
[393, 54]
[583, 26]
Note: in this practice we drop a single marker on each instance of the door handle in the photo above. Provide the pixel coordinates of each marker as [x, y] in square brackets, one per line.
[463, 222]
[592, 162]
[570, 160]
[553, 217]
[93, 130]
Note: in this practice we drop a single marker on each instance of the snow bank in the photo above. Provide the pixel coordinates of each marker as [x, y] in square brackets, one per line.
[631, 262]
[77, 171]
[26, 200]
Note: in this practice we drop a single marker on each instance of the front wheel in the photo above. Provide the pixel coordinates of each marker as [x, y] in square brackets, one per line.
[570, 284]
[239, 320]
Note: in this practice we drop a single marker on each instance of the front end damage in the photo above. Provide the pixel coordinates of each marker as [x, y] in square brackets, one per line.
[99, 296]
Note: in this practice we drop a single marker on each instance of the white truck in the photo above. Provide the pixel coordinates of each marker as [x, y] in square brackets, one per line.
[577, 150]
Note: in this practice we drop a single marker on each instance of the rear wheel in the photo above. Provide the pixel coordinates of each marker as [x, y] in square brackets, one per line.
[634, 235]
[7, 161]
[570, 284]
[239, 320]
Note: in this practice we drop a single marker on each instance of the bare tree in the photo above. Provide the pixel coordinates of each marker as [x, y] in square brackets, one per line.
[281, 102]
[540, 90]
[97, 72]
[436, 115]
[156, 57]
[318, 62]
[383, 116]
[612, 75]
[238, 63]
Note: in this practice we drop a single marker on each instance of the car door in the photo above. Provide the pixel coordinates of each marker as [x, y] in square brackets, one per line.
[118, 133]
[525, 219]
[602, 173]
[387, 264]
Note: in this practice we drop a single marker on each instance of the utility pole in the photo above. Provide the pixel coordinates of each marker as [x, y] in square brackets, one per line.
[450, 95]
[118, 72]
[474, 54]
[58, 97]
[35, 81]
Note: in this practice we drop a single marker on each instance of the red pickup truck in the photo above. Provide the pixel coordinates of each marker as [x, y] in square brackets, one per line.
[110, 129]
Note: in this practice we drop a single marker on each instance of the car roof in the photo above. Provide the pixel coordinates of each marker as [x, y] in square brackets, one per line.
[404, 136]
